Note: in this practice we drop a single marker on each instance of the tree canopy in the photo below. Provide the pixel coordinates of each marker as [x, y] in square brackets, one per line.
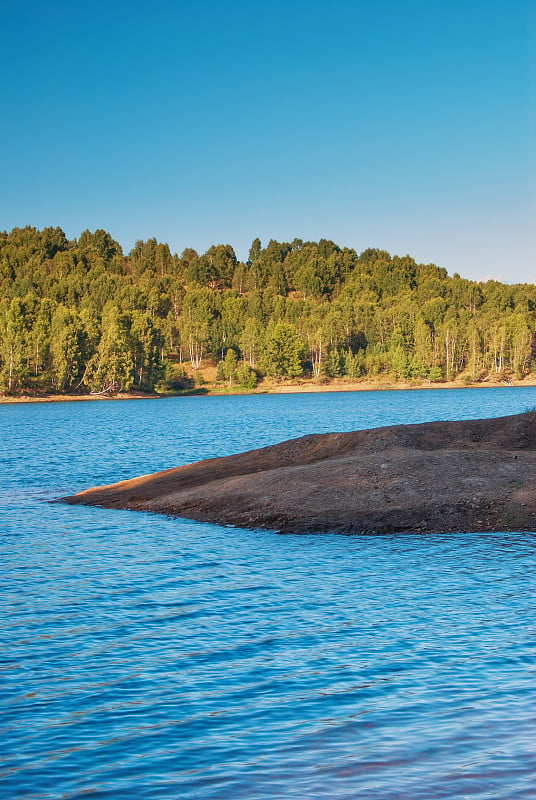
[82, 315]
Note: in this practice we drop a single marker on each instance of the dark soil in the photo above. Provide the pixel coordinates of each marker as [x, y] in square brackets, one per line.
[477, 475]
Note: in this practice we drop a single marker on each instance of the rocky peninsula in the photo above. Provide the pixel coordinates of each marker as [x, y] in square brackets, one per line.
[477, 475]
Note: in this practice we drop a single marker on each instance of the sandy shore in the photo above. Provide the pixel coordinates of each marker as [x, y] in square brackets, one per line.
[73, 398]
[268, 387]
[372, 386]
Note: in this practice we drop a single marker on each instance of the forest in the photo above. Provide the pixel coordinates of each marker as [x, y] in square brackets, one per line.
[80, 316]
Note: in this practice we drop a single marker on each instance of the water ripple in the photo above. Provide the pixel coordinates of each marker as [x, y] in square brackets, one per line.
[145, 657]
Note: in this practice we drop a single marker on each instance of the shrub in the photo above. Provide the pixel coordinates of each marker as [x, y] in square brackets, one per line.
[176, 379]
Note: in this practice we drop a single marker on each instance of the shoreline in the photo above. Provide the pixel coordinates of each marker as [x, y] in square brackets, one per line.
[386, 386]
[269, 388]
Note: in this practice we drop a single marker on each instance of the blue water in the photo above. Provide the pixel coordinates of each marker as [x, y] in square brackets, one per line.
[147, 657]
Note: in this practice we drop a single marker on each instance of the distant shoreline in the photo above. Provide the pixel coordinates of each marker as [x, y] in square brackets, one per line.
[304, 387]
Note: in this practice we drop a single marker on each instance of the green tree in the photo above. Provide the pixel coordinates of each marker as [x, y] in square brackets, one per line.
[215, 268]
[40, 336]
[335, 363]
[520, 335]
[254, 250]
[251, 341]
[246, 376]
[399, 362]
[315, 334]
[232, 313]
[229, 366]
[99, 248]
[12, 345]
[196, 320]
[146, 347]
[111, 369]
[66, 348]
[284, 350]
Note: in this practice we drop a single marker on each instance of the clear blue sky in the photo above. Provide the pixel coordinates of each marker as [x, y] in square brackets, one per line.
[407, 125]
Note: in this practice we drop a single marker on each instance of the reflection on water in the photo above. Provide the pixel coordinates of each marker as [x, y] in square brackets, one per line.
[149, 657]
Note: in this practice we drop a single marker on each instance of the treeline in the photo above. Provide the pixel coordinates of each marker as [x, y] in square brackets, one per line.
[81, 315]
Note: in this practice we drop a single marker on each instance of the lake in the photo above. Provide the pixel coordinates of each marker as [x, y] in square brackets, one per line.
[149, 657]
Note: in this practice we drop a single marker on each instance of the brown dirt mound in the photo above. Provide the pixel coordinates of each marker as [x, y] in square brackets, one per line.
[477, 475]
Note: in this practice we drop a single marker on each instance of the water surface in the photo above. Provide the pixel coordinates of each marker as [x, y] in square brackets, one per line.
[158, 658]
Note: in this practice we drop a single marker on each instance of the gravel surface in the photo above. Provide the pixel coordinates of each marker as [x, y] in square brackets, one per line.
[477, 475]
